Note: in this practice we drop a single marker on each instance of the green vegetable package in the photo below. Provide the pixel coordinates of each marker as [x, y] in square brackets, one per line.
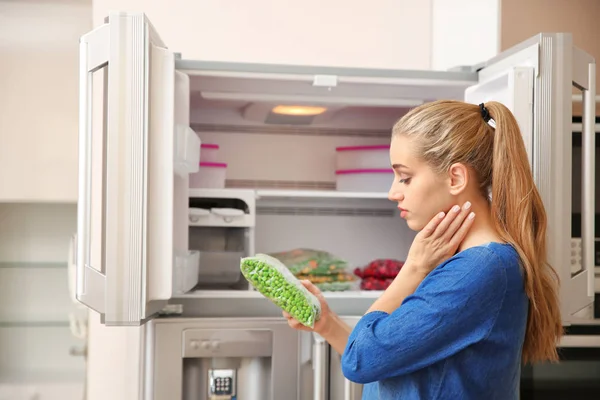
[274, 281]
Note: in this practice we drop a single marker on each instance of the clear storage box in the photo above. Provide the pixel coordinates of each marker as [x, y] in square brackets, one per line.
[211, 175]
[364, 180]
[209, 152]
[363, 157]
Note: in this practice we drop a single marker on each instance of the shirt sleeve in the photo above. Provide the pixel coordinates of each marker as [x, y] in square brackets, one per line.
[455, 306]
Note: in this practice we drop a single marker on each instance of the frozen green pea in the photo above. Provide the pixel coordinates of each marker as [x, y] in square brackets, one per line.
[274, 281]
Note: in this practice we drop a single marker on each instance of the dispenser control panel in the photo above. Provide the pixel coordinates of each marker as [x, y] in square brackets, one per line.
[222, 384]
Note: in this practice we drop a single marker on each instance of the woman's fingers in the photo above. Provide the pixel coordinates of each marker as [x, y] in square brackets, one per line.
[458, 222]
[443, 226]
[311, 288]
[460, 234]
[430, 228]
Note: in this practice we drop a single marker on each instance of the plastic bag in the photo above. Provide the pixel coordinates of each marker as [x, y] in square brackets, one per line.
[337, 286]
[371, 283]
[380, 268]
[311, 262]
[274, 281]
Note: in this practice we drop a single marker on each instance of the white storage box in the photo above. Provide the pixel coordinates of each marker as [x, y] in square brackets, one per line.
[364, 180]
[211, 175]
[362, 157]
[208, 152]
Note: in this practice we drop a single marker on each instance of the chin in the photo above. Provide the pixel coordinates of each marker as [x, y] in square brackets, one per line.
[414, 225]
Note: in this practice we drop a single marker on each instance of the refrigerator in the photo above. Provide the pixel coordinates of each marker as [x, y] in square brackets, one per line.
[145, 110]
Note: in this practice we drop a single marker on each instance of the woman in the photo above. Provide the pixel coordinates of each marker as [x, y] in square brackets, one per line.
[476, 296]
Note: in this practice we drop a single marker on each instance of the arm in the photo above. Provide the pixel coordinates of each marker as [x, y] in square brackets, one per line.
[337, 333]
[405, 284]
[456, 306]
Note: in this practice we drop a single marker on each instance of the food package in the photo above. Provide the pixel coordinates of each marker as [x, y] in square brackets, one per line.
[332, 283]
[274, 281]
[375, 283]
[336, 286]
[311, 262]
[380, 268]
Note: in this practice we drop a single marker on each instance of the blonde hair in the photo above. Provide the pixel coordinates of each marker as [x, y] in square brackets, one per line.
[448, 132]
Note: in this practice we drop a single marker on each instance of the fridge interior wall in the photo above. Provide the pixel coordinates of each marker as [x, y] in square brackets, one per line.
[302, 157]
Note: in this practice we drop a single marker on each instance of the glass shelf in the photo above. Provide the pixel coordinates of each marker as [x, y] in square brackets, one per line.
[34, 324]
[28, 264]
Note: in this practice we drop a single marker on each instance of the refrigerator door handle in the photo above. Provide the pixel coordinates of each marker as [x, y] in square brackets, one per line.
[320, 363]
[351, 390]
[584, 77]
[91, 282]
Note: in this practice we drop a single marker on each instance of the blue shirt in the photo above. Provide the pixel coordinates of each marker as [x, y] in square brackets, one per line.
[458, 336]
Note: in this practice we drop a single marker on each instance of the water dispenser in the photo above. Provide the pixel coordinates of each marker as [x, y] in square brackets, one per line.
[223, 359]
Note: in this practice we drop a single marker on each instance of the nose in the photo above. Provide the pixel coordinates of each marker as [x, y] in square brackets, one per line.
[395, 194]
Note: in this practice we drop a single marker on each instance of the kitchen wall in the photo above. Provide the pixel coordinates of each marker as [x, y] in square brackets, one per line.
[523, 19]
[380, 33]
[464, 32]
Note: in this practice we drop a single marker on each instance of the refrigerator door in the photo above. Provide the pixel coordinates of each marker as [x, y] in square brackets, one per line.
[535, 80]
[134, 163]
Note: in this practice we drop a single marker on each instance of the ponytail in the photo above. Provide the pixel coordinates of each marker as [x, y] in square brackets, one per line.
[520, 219]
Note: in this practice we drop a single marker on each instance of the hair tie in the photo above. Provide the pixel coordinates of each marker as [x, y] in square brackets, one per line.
[485, 113]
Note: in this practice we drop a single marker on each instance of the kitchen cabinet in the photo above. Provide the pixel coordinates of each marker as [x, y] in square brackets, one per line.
[40, 354]
[38, 99]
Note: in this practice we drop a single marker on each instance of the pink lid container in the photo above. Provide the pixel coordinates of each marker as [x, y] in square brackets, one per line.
[363, 171]
[363, 148]
[209, 146]
[213, 165]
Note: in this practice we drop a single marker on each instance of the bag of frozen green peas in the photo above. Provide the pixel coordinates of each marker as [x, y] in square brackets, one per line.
[274, 281]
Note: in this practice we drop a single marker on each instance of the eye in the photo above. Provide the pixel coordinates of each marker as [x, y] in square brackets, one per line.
[405, 181]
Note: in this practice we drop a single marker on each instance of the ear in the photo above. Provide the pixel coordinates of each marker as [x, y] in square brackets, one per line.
[458, 175]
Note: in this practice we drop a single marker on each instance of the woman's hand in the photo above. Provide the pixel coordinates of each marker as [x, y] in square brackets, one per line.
[440, 238]
[331, 327]
[322, 324]
[434, 244]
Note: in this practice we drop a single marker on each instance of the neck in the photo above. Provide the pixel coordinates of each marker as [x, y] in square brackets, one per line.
[482, 231]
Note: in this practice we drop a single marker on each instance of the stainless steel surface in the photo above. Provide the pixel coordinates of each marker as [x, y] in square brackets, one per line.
[320, 368]
[588, 168]
[586, 341]
[227, 343]
[264, 352]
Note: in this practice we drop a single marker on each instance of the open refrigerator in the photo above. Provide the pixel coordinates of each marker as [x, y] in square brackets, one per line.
[154, 255]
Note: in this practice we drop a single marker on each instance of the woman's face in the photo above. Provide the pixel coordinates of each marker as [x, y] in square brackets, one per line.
[418, 190]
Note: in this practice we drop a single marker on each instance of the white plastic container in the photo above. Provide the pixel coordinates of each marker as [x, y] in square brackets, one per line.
[362, 157]
[364, 180]
[211, 176]
[209, 152]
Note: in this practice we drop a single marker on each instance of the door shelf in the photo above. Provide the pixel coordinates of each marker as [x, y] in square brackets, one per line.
[318, 194]
[185, 273]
